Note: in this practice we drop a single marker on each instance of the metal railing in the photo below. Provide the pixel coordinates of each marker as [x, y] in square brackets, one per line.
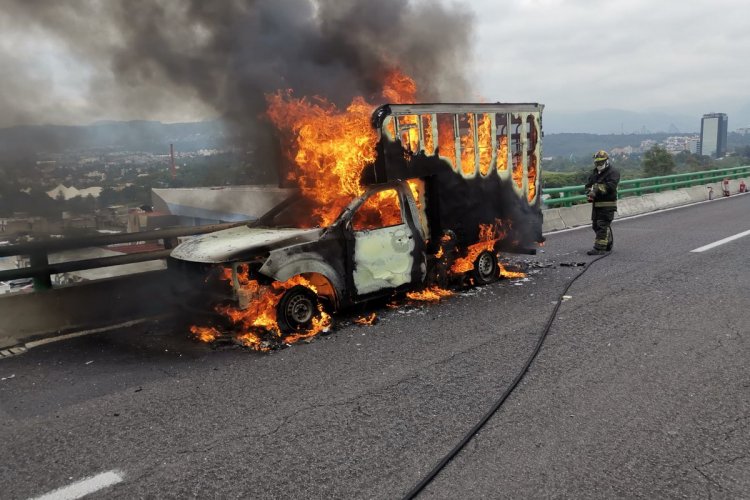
[41, 270]
[572, 195]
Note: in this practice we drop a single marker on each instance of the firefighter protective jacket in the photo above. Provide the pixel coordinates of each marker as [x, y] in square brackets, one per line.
[603, 187]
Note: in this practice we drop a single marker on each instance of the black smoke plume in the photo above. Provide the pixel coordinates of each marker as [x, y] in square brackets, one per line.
[151, 58]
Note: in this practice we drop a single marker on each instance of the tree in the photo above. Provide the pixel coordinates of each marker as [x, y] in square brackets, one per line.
[657, 161]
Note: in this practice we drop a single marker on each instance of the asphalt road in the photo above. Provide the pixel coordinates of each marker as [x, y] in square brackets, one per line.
[642, 389]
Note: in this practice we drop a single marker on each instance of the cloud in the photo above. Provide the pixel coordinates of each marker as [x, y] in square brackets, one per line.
[635, 54]
[571, 55]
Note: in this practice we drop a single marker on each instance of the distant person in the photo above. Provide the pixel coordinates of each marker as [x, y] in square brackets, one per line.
[601, 190]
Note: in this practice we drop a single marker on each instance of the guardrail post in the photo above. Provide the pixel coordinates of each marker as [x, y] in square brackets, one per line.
[170, 243]
[42, 280]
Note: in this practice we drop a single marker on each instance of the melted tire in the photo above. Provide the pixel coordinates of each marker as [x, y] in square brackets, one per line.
[297, 309]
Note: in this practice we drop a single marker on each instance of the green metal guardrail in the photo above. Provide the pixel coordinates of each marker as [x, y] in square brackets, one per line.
[571, 195]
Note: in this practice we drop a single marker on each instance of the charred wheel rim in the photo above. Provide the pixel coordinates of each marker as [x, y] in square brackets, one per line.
[485, 267]
[300, 309]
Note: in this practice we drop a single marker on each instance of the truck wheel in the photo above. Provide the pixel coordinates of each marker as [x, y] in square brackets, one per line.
[485, 268]
[296, 309]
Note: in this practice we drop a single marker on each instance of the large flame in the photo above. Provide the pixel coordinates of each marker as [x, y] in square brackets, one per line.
[330, 147]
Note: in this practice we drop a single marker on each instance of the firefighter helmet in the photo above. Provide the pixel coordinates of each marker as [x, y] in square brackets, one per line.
[601, 156]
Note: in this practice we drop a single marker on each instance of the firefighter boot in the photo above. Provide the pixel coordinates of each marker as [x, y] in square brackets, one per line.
[596, 251]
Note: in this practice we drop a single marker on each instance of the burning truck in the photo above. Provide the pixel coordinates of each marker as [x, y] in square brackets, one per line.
[442, 189]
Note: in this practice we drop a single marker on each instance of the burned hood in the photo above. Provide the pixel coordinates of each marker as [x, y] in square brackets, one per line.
[240, 242]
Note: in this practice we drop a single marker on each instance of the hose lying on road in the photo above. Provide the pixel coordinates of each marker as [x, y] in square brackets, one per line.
[496, 406]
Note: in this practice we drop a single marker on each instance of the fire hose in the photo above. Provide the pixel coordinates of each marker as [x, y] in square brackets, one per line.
[496, 406]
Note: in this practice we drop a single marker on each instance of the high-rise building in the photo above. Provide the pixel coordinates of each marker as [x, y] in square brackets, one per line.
[714, 135]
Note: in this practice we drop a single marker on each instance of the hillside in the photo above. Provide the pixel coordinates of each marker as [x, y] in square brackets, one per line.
[142, 136]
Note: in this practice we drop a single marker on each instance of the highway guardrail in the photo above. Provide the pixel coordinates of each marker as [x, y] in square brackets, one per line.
[571, 195]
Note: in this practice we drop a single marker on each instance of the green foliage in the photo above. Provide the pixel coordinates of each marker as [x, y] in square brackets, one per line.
[657, 161]
[560, 179]
[689, 162]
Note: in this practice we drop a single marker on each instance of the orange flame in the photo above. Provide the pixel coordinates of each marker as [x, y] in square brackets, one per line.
[510, 274]
[489, 234]
[532, 157]
[447, 138]
[532, 177]
[259, 316]
[205, 334]
[409, 125]
[518, 170]
[468, 162]
[502, 154]
[429, 139]
[367, 320]
[330, 147]
[431, 294]
[399, 88]
[484, 133]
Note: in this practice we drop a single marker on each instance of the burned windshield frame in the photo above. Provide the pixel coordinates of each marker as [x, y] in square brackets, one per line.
[296, 203]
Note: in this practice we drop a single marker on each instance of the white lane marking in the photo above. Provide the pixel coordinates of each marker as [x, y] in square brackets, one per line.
[84, 486]
[126, 324]
[721, 242]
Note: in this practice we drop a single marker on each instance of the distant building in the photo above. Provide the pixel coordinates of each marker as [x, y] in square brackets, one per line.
[714, 135]
[694, 144]
[647, 144]
[677, 144]
[625, 151]
[743, 130]
[61, 191]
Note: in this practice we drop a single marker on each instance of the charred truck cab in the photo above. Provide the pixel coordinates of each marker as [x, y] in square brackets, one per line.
[452, 185]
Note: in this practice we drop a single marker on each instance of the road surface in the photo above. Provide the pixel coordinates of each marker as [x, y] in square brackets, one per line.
[642, 388]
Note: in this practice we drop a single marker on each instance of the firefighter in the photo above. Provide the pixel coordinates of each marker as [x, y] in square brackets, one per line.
[601, 191]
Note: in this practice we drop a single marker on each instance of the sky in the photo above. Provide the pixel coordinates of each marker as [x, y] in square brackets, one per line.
[681, 58]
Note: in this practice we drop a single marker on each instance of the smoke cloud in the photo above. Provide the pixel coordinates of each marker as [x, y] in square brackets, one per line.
[149, 59]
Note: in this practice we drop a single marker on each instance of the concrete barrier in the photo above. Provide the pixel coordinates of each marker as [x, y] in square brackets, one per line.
[552, 220]
[95, 304]
[580, 215]
[577, 215]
